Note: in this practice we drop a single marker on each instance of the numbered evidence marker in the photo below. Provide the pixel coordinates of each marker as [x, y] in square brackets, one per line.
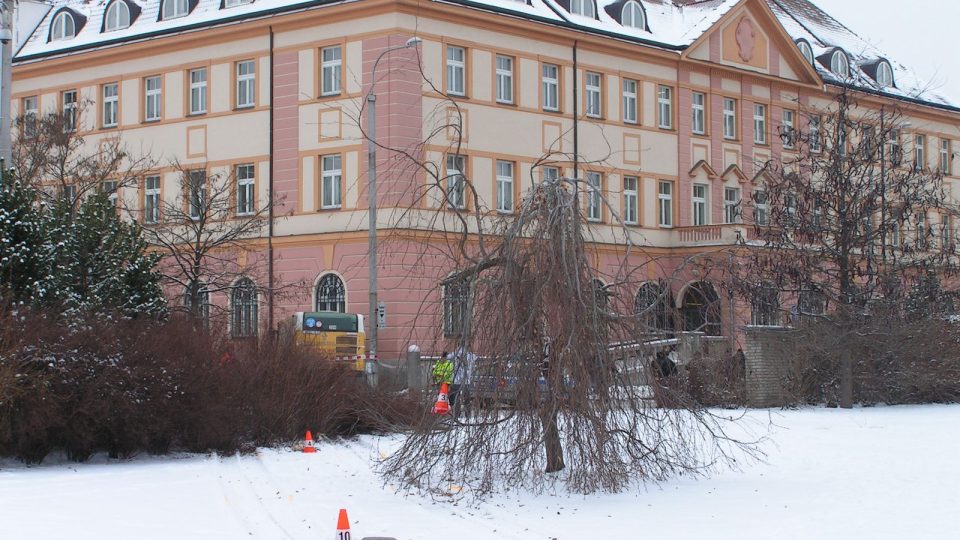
[343, 526]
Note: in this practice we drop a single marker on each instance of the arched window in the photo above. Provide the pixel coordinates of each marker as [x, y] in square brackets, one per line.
[653, 306]
[117, 16]
[64, 27]
[175, 8]
[884, 74]
[765, 306]
[840, 64]
[583, 7]
[331, 295]
[243, 309]
[632, 15]
[806, 50]
[202, 297]
[701, 309]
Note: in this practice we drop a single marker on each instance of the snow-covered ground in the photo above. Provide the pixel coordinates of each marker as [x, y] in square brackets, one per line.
[888, 472]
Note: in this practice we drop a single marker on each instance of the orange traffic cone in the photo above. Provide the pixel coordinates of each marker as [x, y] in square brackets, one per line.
[442, 406]
[308, 447]
[343, 526]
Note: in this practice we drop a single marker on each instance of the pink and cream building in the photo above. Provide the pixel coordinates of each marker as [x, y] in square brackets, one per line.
[670, 105]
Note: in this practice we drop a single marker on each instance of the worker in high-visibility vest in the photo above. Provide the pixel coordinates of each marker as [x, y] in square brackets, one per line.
[443, 370]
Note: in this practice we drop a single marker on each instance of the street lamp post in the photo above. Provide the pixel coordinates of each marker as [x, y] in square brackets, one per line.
[372, 196]
[6, 58]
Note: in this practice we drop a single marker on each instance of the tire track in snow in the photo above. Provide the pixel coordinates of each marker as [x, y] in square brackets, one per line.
[245, 502]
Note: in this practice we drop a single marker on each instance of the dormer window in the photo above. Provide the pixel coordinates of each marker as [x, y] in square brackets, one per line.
[583, 7]
[884, 74]
[840, 64]
[63, 27]
[235, 3]
[632, 15]
[117, 16]
[805, 49]
[175, 8]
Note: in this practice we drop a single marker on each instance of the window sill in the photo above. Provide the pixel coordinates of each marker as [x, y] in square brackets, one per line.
[330, 208]
[332, 95]
[150, 120]
[244, 107]
[662, 226]
[193, 114]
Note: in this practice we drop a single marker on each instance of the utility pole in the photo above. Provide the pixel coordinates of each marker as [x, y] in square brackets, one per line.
[6, 79]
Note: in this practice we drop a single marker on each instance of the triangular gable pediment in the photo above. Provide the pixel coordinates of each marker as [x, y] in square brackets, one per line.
[749, 37]
[703, 166]
[762, 176]
[734, 172]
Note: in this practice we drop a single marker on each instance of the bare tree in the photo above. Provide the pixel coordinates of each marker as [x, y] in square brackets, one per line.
[847, 220]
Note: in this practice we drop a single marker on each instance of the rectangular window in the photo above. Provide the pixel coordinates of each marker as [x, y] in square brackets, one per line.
[731, 205]
[245, 189]
[919, 152]
[789, 129]
[814, 133]
[699, 125]
[593, 196]
[246, 82]
[69, 193]
[665, 107]
[551, 87]
[110, 188]
[630, 101]
[505, 186]
[700, 204]
[197, 192]
[550, 173]
[30, 115]
[456, 182]
[331, 70]
[945, 156]
[151, 199]
[593, 95]
[456, 70]
[456, 308]
[947, 233]
[111, 102]
[760, 208]
[630, 197]
[893, 148]
[729, 118]
[760, 124]
[665, 201]
[151, 98]
[504, 79]
[330, 179]
[69, 110]
[198, 91]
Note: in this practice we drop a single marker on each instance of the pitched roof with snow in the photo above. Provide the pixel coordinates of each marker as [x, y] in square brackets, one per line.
[669, 24]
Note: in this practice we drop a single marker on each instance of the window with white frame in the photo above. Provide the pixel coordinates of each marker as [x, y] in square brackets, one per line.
[760, 208]
[665, 203]
[760, 124]
[731, 205]
[729, 118]
[893, 148]
[117, 16]
[456, 70]
[109, 187]
[504, 79]
[331, 175]
[175, 8]
[243, 304]
[630, 101]
[630, 198]
[69, 108]
[919, 152]
[152, 98]
[945, 156]
[592, 83]
[789, 129]
[947, 233]
[246, 82]
[814, 133]
[331, 295]
[665, 107]
[235, 3]
[594, 208]
[504, 186]
[551, 87]
[790, 209]
[63, 27]
[884, 74]
[331, 70]
[893, 237]
[196, 193]
[111, 103]
[698, 108]
[632, 15]
[456, 181]
[31, 113]
[246, 182]
[69, 193]
[700, 216]
[550, 173]
[582, 7]
[840, 64]
[151, 199]
[198, 91]
[922, 230]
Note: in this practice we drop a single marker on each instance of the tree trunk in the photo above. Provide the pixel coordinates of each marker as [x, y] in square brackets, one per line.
[846, 379]
[551, 441]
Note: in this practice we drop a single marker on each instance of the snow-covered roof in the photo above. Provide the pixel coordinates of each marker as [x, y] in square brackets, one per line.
[670, 24]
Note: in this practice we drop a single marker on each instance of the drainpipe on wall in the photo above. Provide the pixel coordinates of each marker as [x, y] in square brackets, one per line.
[270, 204]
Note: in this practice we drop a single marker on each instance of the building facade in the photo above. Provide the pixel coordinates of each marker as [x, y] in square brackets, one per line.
[667, 107]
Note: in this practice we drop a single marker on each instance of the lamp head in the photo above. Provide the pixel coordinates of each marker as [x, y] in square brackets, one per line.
[413, 42]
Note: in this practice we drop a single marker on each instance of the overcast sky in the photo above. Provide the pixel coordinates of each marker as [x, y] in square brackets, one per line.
[917, 33]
